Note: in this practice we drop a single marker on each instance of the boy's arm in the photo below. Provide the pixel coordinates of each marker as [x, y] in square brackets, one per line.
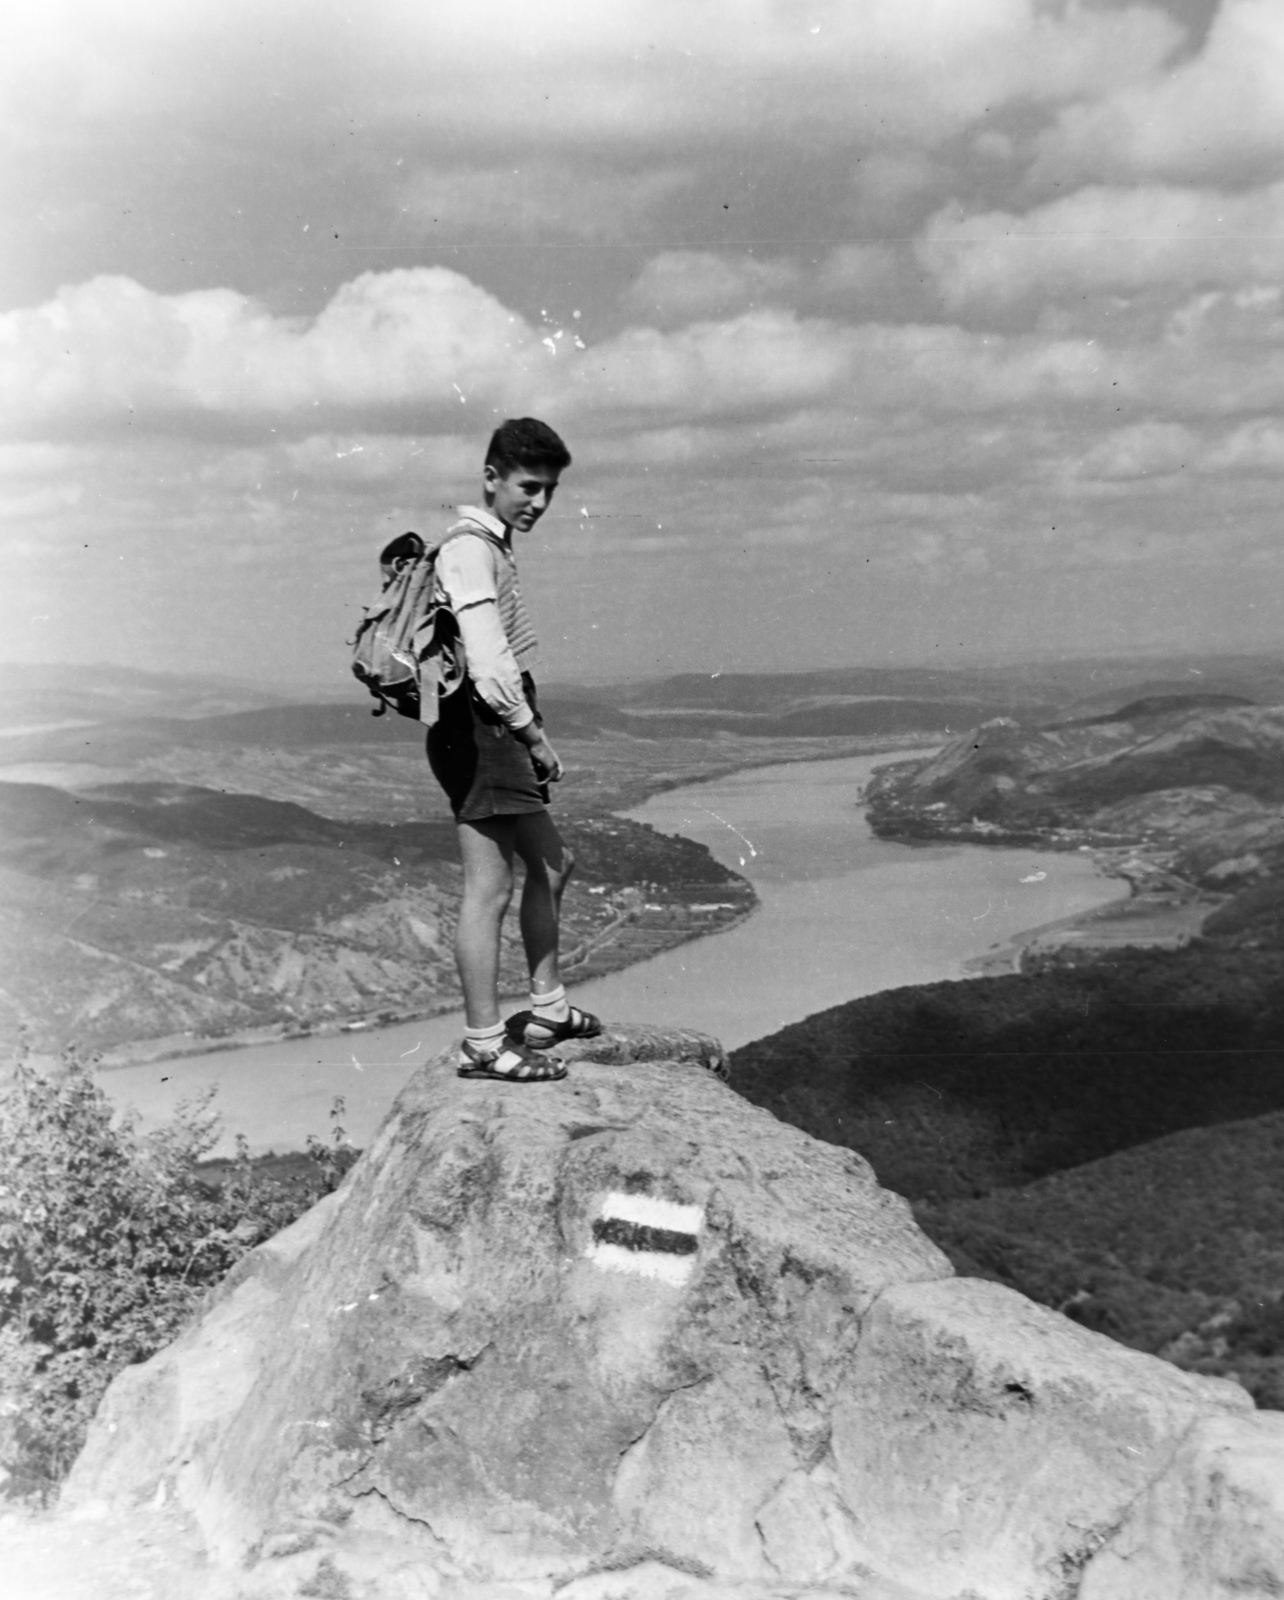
[465, 568]
[467, 574]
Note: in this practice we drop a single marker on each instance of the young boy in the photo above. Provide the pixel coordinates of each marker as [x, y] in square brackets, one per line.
[489, 753]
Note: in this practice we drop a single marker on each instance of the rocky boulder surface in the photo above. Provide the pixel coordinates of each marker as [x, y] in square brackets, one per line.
[629, 1336]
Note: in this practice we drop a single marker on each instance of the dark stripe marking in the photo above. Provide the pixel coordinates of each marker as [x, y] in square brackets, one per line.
[638, 1236]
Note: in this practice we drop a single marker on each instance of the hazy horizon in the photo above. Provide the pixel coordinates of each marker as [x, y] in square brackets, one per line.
[339, 683]
[886, 330]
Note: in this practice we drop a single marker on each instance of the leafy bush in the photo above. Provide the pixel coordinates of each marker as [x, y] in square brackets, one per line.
[331, 1158]
[108, 1239]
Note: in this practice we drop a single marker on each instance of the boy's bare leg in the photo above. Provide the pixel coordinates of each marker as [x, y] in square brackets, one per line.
[486, 849]
[549, 865]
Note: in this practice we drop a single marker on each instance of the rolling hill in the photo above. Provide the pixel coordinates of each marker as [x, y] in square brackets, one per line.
[144, 911]
[1102, 1131]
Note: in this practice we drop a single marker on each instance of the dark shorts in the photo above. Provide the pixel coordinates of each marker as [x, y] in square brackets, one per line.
[484, 768]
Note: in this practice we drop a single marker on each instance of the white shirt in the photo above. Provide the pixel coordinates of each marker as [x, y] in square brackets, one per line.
[466, 569]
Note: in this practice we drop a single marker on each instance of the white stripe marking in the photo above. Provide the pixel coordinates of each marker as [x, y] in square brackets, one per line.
[643, 1263]
[650, 1213]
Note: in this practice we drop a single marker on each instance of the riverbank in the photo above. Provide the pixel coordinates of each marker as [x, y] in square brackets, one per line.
[609, 778]
[841, 914]
[1161, 911]
[638, 932]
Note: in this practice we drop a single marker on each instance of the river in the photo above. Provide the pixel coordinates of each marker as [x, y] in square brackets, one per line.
[842, 914]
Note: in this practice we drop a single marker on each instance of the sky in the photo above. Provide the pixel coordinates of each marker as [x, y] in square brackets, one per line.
[881, 331]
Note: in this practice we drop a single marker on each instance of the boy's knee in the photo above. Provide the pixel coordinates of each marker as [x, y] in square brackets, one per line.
[494, 902]
[489, 892]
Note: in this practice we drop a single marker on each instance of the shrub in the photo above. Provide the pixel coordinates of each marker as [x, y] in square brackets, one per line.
[108, 1239]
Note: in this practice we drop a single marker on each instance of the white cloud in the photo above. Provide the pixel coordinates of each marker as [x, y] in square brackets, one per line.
[665, 67]
[308, 129]
[683, 285]
[680, 286]
[1104, 239]
[760, 359]
[1256, 447]
[425, 352]
[1147, 449]
[226, 454]
[1251, 318]
[658, 69]
[111, 349]
[1220, 113]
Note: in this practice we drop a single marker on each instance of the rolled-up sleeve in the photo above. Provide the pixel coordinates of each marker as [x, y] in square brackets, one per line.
[466, 568]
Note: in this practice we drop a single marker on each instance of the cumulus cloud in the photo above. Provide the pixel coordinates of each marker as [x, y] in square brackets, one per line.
[759, 360]
[1221, 113]
[775, 399]
[664, 67]
[258, 441]
[407, 127]
[425, 351]
[653, 68]
[683, 285]
[1159, 449]
[1107, 239]
[113, 350]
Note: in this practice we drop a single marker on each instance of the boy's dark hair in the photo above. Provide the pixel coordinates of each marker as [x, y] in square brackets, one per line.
[526, 442]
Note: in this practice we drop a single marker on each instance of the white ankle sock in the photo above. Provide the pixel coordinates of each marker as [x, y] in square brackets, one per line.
[488, 1040]
[553, 1006]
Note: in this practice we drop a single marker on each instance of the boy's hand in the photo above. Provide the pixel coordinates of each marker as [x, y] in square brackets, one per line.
[548, 766]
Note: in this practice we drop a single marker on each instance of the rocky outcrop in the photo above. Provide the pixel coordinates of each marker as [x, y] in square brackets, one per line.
[628, 1335]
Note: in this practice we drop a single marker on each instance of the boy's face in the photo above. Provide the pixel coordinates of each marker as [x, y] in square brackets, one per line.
[522, 496]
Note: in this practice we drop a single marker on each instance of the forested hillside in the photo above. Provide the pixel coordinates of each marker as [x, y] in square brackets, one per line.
[1104, 1129]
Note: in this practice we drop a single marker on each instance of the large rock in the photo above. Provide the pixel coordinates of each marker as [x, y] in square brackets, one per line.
[627, 1335]
[1211, 1528]
[991, 1446]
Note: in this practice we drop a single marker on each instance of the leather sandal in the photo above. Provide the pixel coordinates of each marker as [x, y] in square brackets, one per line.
[540, 1033]
[514, 1063]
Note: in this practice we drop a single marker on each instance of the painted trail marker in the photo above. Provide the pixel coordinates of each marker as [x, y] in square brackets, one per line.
[650, 1238]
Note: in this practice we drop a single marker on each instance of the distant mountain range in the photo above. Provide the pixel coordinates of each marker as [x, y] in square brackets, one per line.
[37, 695]
[132, 711]
[570, 714]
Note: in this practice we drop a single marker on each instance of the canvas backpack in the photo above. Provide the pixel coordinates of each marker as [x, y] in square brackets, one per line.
[407, 650]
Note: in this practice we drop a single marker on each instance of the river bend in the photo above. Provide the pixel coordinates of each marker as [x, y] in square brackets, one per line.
[842, 914]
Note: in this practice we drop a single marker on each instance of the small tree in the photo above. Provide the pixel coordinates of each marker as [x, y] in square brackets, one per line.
[333, 1159]
[108, 1239]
